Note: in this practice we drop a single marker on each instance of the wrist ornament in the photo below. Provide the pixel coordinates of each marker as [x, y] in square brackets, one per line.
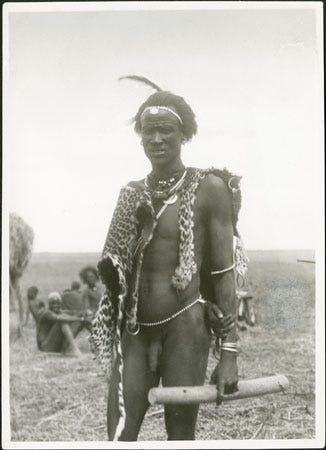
[231, 347]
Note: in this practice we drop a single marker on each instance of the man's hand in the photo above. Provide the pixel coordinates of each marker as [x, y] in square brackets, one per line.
[219, 324]
[225, 376]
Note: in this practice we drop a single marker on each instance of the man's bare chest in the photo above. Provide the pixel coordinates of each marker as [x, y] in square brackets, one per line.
[172, 221]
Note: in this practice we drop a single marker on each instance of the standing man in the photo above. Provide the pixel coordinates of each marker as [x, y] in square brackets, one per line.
[168, 250]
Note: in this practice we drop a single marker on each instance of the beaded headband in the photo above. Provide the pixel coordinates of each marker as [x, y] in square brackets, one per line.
[156, 109]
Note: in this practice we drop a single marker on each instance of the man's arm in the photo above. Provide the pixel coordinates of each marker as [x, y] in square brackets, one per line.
[220, 233]
[34, 308]
[63, 318]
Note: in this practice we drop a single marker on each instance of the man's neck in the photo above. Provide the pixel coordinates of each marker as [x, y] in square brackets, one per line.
[168, 170]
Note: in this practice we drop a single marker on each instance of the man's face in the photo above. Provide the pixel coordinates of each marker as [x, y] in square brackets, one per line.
[90, 279]
[55, 306]
[161, 136]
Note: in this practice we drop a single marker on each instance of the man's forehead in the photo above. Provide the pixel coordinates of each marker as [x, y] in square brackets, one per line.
[55, 301]
[161, 117]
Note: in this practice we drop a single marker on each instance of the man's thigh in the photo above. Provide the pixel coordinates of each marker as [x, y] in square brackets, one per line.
[184, 363]
[137, 377]
[185, 349]
[54, 340]
[137, 380]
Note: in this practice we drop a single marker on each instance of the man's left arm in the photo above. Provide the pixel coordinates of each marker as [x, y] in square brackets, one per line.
[220, 232]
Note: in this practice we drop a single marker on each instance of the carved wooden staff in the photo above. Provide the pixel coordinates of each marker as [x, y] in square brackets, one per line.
[208, 393]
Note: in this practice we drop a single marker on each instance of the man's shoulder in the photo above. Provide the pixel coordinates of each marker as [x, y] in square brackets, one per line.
[214, 196]
[136, 184]
[213, 187]
[45, 314]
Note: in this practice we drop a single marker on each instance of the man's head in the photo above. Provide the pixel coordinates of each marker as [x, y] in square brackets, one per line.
[32, 292]
[89, 276]
[75, 286]
[164, 121]
[161, 136]
[188, 127]
[55, 302]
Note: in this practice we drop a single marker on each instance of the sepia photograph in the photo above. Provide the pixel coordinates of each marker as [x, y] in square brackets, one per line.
[163, 225]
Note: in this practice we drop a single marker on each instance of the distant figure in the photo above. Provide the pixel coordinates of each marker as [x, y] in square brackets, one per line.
[75, 286]
[245, 309]
[92, 292]
[34, 304]
[72, 299]
[73, 303]
[53, 331]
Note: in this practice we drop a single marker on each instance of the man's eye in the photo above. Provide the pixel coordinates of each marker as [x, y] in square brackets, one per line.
[165, 130]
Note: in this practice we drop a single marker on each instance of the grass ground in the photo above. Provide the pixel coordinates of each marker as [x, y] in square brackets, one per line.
[54, 398]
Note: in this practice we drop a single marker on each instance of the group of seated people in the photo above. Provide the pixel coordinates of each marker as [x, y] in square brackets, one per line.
[64, 316]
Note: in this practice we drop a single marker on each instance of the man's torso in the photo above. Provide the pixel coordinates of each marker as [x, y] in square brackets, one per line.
[158, 299]
[73, 301]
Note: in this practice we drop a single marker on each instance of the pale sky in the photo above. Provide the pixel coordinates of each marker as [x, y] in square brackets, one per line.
[251, 76]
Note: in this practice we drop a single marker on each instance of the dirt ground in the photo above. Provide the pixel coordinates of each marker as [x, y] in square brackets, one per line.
[54, 398]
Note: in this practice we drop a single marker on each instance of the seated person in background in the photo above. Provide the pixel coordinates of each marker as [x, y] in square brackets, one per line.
[53, 331]
[75, 286]
[72, 298]
[74, 303]
[92, 291]
[34, 304]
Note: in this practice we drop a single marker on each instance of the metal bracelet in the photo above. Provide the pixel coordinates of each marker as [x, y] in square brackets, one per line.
[133, 333]
[232, 350]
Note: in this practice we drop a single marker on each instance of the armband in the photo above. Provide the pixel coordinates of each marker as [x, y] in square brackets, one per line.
[217, 272]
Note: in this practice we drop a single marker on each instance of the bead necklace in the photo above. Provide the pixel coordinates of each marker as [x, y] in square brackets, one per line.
[165, 192]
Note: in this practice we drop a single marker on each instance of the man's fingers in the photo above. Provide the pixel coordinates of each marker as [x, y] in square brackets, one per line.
[228, 328]
[228, 318]
[221, 322]
[230, 388]
[229, 325]
[215, 312]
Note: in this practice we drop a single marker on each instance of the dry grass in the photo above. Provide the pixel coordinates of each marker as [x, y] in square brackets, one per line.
[56, 398]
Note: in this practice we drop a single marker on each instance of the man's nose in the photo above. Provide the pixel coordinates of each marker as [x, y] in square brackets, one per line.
[157, 138]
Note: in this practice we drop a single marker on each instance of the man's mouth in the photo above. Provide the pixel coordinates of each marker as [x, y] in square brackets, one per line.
[157, 151]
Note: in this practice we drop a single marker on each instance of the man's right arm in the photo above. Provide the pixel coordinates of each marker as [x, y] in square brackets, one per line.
[63, 318]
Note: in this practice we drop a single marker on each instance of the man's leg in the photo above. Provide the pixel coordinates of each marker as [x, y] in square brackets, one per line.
[54, 340]
[184, 363]
[137, 380]
[69, 346]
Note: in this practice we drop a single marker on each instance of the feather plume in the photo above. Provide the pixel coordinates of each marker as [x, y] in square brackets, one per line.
[141, 80]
